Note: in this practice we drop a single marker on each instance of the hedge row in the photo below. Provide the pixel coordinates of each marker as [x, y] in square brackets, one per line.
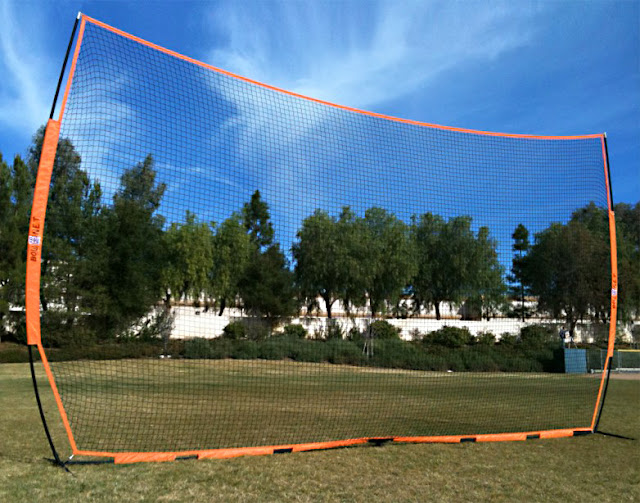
[386, 353]
[537, 349]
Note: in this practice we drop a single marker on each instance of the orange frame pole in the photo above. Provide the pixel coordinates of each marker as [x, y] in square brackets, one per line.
[36, 241]
[606, 371]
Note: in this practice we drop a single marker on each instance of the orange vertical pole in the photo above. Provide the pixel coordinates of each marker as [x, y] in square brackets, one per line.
[35, 244]
[604, 381]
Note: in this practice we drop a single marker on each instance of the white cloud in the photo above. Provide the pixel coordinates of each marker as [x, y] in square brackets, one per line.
[25, 95]
[356, 54]
[362, 54]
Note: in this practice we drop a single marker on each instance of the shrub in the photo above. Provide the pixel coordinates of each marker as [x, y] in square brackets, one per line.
[197, 348]
[486, 339]
[307, 351]
[295, 331]
[244, 350]
[455, 361]
[549, 358]
[450, 337]
[107, 351]
[538, 336]
[157, 327]
[482, 358]
[354, 335]
[334, 331]
[256, 329]
[394, 353]
[234, 331]
[416, 335]
[275, 348]
[343, 352]
[11, 352]
[517, 363]
[635, 335]
[77, 336]
[508, 340]
[435, 363]
[383, 330]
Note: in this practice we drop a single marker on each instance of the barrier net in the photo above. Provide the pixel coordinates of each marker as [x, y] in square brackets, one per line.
[226, 265]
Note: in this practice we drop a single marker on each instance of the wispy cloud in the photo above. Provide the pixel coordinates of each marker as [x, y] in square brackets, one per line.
[359, 54]
[363, 54]
[25, 93]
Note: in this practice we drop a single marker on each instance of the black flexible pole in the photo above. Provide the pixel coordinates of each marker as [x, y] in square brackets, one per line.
[56, 459]
[64, 65]
[604, 393]
[606, 154]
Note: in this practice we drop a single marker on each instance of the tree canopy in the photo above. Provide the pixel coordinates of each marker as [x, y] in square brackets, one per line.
[455, 263]
[106, 265]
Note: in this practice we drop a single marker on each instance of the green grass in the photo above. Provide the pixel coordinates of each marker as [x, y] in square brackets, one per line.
[574, 469]
[171, 405]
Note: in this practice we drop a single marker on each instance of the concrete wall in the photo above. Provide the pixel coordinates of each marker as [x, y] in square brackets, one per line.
[198, 322]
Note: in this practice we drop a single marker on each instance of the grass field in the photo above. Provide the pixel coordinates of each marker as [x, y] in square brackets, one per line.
[574, 469]
[169, 405]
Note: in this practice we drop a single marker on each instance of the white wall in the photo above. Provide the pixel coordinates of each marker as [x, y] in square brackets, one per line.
[196, 322]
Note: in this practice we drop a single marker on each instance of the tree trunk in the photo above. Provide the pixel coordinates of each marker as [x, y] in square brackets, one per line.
[167, 302]
[329, 304]
[437, 306]
[571, 319]
[223, 304]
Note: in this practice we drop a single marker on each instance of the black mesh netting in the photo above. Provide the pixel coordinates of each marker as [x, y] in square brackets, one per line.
[228, 265]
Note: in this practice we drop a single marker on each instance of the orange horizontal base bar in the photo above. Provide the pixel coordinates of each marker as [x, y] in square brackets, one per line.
[137, 457]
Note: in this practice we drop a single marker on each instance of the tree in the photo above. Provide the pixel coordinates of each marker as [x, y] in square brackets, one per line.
[320, 259]
[445, 257]
[16, 184]
[455, 264]
[257, 221]
[266, 286]
[189, 247]
[628, 241]
[72, 200]
[353, 238]
[627, 219]
[520, 248]
[595, 221]
[390, 260]
[564, 271]
[232, 249]
[567, 267]
[126, 255]
[426, 233]
[487, 286]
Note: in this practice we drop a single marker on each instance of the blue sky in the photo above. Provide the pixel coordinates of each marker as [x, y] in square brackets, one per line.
[540, 68]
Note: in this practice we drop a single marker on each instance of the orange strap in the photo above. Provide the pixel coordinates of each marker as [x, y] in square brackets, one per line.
[36, 228]
[614, 283]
